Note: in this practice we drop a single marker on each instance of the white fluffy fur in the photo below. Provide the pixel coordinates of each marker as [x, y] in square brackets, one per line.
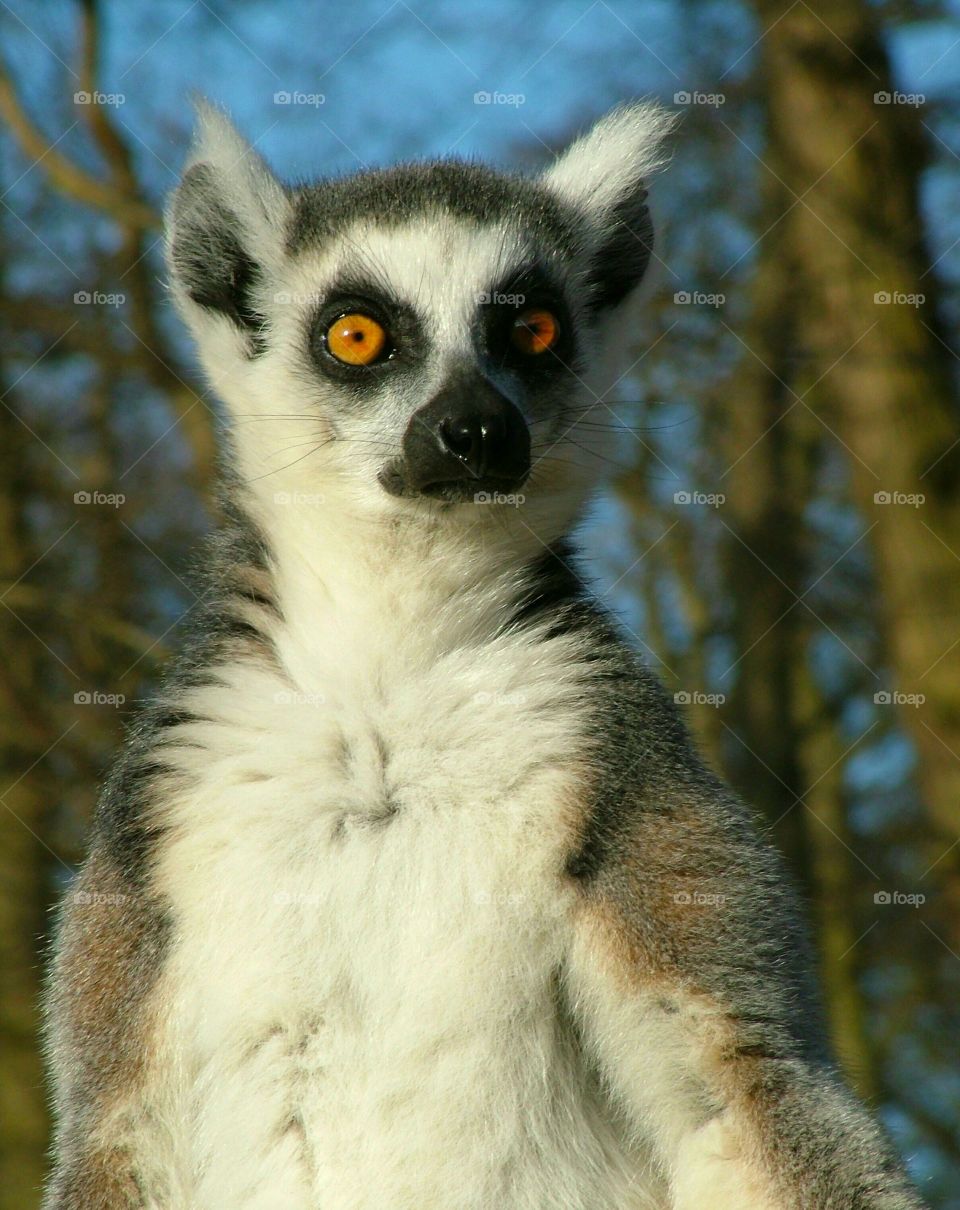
[364, 985]
[658, 1054]
[246, 185]
[604, 164]
[364, 875]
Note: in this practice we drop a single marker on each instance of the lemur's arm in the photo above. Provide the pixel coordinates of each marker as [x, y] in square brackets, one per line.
[108, 952]
[688, 978]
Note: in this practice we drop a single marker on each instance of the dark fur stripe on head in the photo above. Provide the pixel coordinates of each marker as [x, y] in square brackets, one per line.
[394, 196]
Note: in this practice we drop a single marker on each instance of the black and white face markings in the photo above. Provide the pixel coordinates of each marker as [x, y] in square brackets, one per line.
[445, 323]
[513, 363]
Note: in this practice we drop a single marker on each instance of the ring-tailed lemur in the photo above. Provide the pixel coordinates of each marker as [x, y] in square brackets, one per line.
[409, 890]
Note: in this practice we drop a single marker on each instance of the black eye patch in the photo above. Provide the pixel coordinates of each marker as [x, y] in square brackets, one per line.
[406, 344]
[507, 302]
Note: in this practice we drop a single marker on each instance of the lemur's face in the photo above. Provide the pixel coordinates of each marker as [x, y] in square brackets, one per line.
[429, 335]
[451, 345]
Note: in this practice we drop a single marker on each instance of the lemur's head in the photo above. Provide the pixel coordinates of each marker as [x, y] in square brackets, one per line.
[421, 339]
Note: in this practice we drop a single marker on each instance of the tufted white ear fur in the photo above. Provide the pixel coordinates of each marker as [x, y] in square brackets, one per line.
[245, 185]
[603, 175]
[606, 164]
[225, 229]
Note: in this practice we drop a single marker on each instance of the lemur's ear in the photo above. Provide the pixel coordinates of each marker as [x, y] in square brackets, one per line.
[603, 175]
[225, 224]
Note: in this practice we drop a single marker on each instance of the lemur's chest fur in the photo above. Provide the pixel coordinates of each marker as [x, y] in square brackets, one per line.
[367, 889]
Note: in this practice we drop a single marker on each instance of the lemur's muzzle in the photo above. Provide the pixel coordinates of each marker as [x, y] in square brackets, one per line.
[467, 443]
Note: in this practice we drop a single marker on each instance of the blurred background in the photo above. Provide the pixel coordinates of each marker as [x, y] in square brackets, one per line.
[782, 533]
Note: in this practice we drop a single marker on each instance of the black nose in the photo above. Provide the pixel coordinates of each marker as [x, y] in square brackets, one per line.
[476, 439]
[467, 442]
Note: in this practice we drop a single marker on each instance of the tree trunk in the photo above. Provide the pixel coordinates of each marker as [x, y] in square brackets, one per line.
[869, 324]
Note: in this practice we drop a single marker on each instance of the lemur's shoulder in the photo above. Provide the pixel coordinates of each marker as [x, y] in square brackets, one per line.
[675, 873]
[673, 868]
[101, 1018]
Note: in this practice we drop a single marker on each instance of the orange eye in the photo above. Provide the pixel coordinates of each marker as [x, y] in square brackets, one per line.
[535, 331]
[356, 339]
